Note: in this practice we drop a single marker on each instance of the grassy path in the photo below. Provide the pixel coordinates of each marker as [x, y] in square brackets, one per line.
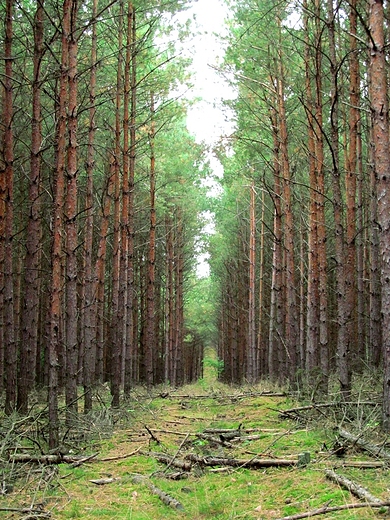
[173, 423]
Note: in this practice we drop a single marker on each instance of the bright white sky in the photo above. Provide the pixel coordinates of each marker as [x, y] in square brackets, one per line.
[207, 120]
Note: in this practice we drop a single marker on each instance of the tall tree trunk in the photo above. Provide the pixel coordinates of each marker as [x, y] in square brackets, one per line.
[115, 336]
[71, 211]
[313, 314]
[351, 184]
[150, 344]
[343, 362]
[276, 320]
[291, 315]
[179, 301]
[375, 325]
[169, 300]
[320, 201]
[380, 122]
[100, 269]
[130, 340]
[123, 309]
[88, 304]
[252, 369]
[55, 337]
[30, 305]
[10, 353]
[261, 344]
[2, 239]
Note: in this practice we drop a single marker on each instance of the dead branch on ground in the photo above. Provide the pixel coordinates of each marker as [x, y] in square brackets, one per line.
[57, 458]
[254, 463]
[373, 449]
[164, 497]
[327, 509]
[356, 489]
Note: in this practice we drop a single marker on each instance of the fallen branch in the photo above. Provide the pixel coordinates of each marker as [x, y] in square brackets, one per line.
[314, 406]
[327, 509]
[164, 497]
[120, 457]
[57, 458]
[244, 395]
[153, 437]
[166, 459]
[236, 432]
[84, 460]
[377, 451]
[360, 464]
[235, 463]
[214, 440]
[171, 462]
[35, 513]
[355, 489]
[104, 481]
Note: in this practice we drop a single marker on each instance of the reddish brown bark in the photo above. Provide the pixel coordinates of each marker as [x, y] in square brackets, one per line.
[343, 363]
[150, 344]
[10, 353]
[261, 343]
[30, 304]
[312, 338]
[291, 316]
[169, 302]
[252, 369]
[276, 323]
[380, 122]
[88, 307]
[115, 338]
[2, 238]
[124, 311]
[351, 182]
[55, 336]
[320, 203]
[71, 226]
[177, 375]
[130, 339]
[100, 268]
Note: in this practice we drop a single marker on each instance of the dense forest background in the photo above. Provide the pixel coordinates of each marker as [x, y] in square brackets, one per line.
[103, 197]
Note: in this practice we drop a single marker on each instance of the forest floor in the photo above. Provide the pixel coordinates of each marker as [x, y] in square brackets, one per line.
[205, 451]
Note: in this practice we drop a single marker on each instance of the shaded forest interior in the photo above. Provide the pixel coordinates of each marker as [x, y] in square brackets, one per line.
[104, 199]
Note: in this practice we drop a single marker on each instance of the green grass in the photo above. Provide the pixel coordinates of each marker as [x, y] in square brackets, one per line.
[236, 493]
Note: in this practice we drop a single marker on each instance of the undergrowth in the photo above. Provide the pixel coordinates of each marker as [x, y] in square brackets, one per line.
[268, 424]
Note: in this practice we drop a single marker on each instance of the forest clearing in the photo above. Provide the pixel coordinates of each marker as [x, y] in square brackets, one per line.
[204, 451]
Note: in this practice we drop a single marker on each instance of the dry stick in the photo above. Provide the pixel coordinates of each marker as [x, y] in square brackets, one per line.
[229, 396]
[315, 406]
[85, 459]
[252, 463]
[164, 497]
[214, 440]
[172, 432]
[120, 457]
[378, 451]
[355, 489]
[151, 435]
[47, 459]
[104, 481]
[360, 464]
[165, 459]
[177, 453]
[240, 431]
[326, 509]
[38, 513]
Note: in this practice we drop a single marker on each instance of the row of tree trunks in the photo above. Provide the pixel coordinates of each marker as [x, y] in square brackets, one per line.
[338, 306]
[74, 309]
